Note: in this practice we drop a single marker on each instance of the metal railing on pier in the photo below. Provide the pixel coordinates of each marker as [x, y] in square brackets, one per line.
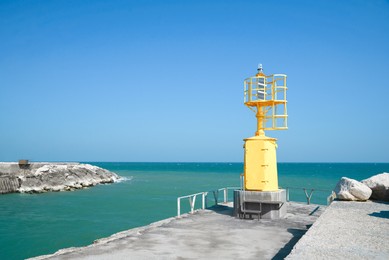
[205, 199]
[308, 192]
[192, 202]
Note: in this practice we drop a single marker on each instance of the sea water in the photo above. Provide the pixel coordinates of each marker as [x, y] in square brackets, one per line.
[36, 224]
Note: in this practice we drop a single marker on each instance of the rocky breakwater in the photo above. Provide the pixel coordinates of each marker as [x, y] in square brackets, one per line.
[43, 177]
[379, 185]
[374, 188]
[350, 189]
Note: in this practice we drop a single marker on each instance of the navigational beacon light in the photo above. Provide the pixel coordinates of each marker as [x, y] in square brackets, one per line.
[266, 96]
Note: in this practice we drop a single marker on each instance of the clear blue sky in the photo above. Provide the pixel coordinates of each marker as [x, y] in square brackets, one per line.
[163, 80]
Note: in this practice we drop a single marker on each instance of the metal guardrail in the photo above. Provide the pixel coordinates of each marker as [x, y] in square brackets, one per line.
[309, 192]
[204, 199]
[225, 194]
[192, 202]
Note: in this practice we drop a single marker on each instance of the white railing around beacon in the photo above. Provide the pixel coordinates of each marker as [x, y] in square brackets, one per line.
[204, 199]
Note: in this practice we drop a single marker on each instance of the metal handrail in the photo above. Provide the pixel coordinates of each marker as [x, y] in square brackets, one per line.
[308, 196]
[192, 199]
[225, 194]
[204, 197]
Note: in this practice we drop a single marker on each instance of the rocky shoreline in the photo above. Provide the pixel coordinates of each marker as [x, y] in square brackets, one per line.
[44, 177]
[375, 188]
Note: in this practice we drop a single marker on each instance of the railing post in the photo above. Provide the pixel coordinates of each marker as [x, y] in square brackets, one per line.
[203, 200]
[308, 196]
[216, 196]
[192, 203]
[178, 207]
[225, 195]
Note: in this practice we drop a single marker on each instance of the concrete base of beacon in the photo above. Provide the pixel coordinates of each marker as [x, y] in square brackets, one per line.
[260, 204]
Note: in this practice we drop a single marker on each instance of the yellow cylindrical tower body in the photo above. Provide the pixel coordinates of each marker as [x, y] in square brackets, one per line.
[265, 95]
[260, 164]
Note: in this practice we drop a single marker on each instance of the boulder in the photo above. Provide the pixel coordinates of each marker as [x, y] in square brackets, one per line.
[379, 184]
[350, 189]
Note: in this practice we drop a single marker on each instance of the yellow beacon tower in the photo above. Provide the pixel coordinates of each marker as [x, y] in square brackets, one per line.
[260, 195]
[266, 96]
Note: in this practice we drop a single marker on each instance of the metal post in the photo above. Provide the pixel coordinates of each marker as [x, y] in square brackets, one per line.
[308, 196]
[178, 207]
[203, 200]
[225, 195]
[192, 203]
[216, 195]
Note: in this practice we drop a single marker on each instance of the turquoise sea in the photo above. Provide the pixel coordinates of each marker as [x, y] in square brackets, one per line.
[36, 224]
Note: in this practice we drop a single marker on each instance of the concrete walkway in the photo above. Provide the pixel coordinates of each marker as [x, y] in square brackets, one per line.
[347, 230]
[208, 234]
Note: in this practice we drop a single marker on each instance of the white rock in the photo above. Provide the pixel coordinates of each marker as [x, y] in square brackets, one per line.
[379, 184]
[59, 177]
[350, 189]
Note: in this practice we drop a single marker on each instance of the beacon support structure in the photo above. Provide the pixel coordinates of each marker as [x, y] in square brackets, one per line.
[266, 96]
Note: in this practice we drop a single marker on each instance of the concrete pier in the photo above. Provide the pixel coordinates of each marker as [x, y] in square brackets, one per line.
[347, 230]
[207, 234]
